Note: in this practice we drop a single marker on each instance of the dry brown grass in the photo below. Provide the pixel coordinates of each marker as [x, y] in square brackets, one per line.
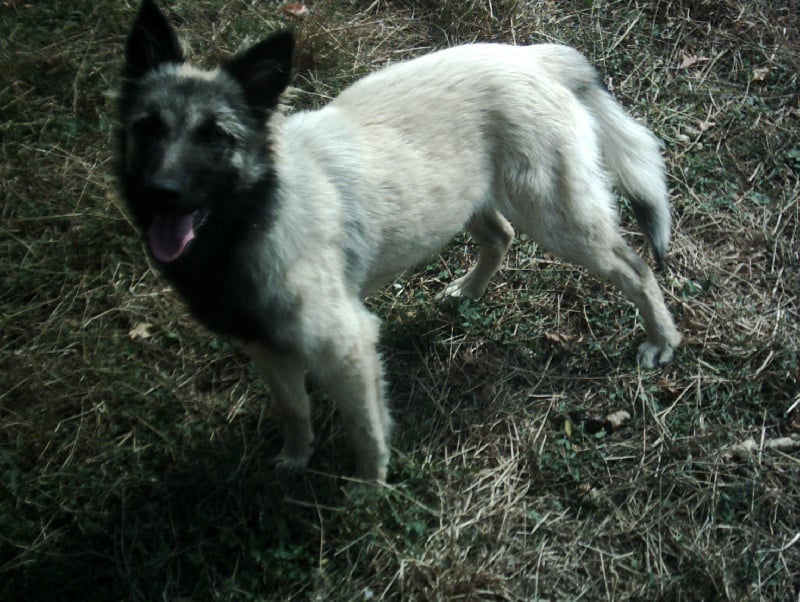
[134, 448]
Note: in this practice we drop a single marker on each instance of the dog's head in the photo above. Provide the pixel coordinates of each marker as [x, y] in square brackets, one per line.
[192, 141]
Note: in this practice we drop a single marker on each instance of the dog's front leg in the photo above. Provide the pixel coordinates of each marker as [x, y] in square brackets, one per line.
[351, 370]
[285, 376]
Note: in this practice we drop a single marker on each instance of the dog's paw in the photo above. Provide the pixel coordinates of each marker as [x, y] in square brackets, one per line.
[288, 464]
[652, 356]
[292, 460]
[462, 287]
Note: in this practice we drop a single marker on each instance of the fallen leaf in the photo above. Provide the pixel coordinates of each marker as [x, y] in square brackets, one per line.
[690, 60]
[141, 331]
[744, 449]
[565, 341]
[588, 492]
[706, 125]
[760, 74]
[296, 10]
[618, 418]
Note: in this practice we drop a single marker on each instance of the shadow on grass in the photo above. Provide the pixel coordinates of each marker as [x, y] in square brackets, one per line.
[143, 526]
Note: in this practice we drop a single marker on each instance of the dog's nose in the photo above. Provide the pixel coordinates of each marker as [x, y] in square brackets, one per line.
[165, 193]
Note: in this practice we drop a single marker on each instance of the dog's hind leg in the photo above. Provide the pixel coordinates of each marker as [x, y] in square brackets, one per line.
[285, 376]
[630, 273]
[591, 239]
[350, 367]
[493, 234]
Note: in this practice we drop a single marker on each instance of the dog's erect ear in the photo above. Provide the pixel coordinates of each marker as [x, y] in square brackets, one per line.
[151, 42]
[264, 70]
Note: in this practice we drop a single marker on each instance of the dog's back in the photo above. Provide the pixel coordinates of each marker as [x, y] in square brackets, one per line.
[474, 126]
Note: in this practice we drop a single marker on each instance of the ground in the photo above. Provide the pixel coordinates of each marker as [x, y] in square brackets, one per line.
[531, 458]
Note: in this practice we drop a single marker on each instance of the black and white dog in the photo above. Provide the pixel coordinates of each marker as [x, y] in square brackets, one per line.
[273, 228]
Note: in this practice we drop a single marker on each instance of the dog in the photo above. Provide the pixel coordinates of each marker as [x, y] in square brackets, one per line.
[273, 228]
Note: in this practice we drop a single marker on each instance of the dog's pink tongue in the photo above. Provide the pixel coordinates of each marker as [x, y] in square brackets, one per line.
[168, 236]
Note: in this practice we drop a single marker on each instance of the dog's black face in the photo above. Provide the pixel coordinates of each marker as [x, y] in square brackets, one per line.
[195, 170]
[193, 143]
[188, 145]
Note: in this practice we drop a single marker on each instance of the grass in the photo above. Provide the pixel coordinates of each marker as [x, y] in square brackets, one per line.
[135, 448]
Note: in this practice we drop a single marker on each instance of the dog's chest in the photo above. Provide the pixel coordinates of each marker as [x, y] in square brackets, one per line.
[230, 303]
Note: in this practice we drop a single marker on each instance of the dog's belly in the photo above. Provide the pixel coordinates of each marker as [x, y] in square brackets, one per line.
[406, 244]
[415, 199]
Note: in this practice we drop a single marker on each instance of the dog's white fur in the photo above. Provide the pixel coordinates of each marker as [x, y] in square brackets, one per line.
[475, 136]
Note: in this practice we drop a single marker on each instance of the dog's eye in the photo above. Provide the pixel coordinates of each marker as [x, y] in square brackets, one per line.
[212, 133]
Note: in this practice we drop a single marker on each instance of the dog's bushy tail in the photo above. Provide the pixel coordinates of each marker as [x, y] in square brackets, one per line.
[633, 156]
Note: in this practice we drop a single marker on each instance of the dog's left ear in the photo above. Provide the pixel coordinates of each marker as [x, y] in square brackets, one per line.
[151, 42]
[264, 70]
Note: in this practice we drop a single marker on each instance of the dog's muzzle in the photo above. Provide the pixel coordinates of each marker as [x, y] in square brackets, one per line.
[172, 227]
